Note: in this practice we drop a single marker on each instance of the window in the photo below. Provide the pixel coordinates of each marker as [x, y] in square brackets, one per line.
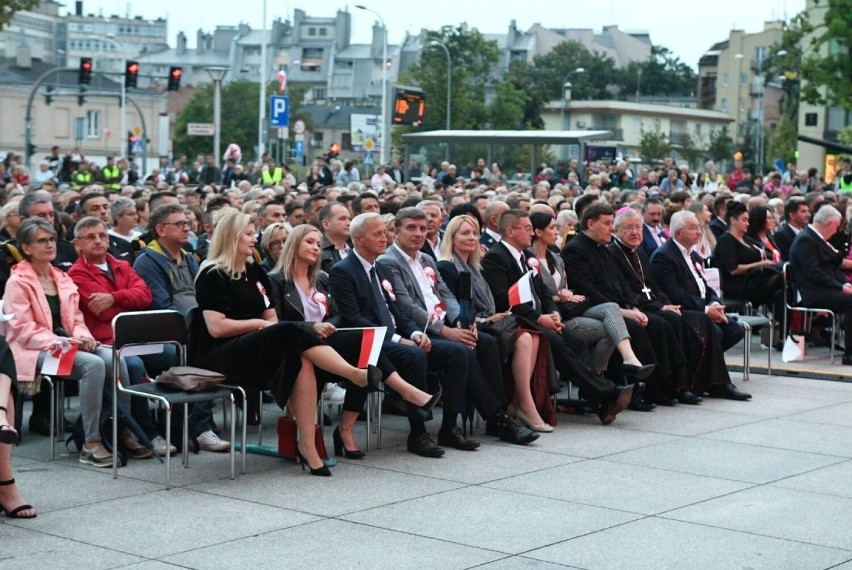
[724, 105]
[346, 141]
[743, 78]
[319, 93]
[637, 125]
[810, 119]
[312, 31]
[323, 31]
[724, 80]
[93, 124]
[698, 130]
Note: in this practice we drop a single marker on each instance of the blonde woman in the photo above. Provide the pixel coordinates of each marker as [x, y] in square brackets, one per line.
[272, 242]
[244, 340]
[299, 293]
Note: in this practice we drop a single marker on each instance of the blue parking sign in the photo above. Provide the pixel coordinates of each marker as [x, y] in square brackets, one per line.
[279, 111]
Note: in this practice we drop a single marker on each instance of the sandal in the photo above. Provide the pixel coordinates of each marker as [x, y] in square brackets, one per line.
[8, 434]
[13, 514]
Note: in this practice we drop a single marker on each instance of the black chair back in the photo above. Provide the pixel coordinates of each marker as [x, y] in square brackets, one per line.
[146, 327]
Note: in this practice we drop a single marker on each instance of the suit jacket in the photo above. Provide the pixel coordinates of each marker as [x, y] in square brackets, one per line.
[784, 240]
[591, 271]
[486, 240]
[658, 297]
[814, 266]
[649, 244]
[501, 271]
[675, 278]
[718, 227]
[329, 254]
[352, 290]
[409, 297]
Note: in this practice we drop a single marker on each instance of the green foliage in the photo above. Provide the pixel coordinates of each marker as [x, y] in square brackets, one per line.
[661, 74]
[845, 135]
[782, 143]
[653, 146]
[721, 145]
[9, 7]
[556, 67]
[691, 150]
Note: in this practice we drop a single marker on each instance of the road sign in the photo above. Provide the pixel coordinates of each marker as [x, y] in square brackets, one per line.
[137, 130]
[299, 127]
[279, 111]
[200, 129]
[138, 146]
[369, 145]
[368, 157]
[299, 149]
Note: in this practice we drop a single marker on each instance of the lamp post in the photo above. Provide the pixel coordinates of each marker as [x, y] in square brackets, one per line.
[449, 76]
[120, 139]
[262, 106]
[761, 133]
[384, 115]
[217, 74]
[566, 101]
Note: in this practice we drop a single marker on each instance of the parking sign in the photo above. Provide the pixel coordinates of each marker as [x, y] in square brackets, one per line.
[279, 111]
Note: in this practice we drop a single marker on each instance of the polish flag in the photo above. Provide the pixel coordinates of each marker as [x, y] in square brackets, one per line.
[521, 292]
[371, 344]
[59, 359]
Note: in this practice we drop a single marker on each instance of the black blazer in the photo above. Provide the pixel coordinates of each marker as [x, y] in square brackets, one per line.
[784, 240]
[288, 305]
[814, 266]
[718, 227]
[501, 271]
[351, 289]
[649, 244]
[675, 278]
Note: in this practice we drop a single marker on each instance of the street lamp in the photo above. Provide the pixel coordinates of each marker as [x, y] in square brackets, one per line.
[120, 139]
[449, 76]
[217, 74]
[761, 133]
[385, 138]
[566, 101]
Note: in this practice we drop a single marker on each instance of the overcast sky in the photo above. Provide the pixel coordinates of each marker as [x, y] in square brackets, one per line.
[687, 28]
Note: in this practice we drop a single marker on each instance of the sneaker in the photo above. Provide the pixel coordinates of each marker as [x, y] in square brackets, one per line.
[160, 446]
[211, 442]
[333, 395]
[131, 445]
[97, 455]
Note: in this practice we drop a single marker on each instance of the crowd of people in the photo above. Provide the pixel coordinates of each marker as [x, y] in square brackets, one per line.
[493, 293]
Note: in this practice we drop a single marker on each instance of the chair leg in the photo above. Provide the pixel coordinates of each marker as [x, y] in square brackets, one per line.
[168, 443]
[185, 436]
[233, 435]
[52, 418]
[243, 441]
[746, 352]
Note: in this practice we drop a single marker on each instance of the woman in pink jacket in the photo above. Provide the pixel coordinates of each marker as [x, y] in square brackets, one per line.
[45, 305]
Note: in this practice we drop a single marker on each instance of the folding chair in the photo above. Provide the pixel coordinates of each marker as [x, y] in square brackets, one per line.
[791, 305]
[142, 331]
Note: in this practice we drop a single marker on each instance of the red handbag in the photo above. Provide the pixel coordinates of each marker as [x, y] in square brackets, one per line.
[287, 435]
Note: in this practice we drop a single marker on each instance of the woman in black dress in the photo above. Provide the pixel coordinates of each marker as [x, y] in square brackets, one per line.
[299, 293]
[244, 340]
[11, 501]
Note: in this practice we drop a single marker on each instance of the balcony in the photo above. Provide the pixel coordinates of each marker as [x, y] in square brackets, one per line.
[678, 138]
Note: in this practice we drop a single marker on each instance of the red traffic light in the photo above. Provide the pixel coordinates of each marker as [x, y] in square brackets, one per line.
[131, 73]
[85, 72]
[175, 73]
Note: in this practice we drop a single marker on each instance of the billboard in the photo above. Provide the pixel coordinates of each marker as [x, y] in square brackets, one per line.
[363, 127]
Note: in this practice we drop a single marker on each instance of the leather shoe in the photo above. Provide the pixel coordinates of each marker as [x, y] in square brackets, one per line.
[642, 406]
[637, 372]
[620, 402]
[687, 397]
[729, 391]
[455, 438]
[423, 446]
[509, 430]
[665, 401]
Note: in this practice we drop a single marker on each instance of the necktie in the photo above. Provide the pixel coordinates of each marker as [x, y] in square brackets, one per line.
[381, 304]
[661, 236]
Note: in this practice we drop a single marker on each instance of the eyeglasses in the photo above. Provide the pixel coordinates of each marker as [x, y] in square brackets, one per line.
[276, 244]
[93, 237]
[182, 225]
[527, 229]
[46, 241]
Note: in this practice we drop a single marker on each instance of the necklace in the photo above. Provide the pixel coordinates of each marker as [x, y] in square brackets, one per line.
[640, 273]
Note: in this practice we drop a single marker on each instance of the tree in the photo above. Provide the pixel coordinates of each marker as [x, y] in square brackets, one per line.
[782, 142]
[721, 145]
[653, 146]
[9, 7]
[691, 150]
[556, 67]
[662, 73]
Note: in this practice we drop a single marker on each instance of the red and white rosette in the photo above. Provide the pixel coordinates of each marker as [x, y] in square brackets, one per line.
[437, 314]
[322, 301]
[262, 291]
[430, 273]
[281, 76]
[533, 264]
[389, 289]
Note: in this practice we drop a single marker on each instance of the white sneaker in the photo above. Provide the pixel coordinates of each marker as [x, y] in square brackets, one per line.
[333, 394]
[211, 442]
[160, 446]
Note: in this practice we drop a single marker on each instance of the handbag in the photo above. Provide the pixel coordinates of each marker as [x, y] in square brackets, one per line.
[504, 331]
[794, 348]
[189, 378]
[288, 437]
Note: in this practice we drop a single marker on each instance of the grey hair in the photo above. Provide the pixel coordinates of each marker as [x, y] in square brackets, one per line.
[31, 198]
[358, 224]
[117, 208]
[28, 230]
[627, 214]
[826, 214]
[87, 222]
[679, 219]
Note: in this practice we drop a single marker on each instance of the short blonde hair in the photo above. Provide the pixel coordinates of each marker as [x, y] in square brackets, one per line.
[447, 241]
[224, 248]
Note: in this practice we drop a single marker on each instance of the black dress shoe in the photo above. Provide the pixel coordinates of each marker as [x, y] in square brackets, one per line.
[637, 372]
[423, 445]
[425, 411]
[620, 402]
[642, 406]
[455, 438]
[728, 391]
[687, 397]
[511, 431]
[665, 401]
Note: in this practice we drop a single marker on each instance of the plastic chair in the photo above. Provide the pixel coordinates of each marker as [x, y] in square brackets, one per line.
[147, 329]
[791, 305]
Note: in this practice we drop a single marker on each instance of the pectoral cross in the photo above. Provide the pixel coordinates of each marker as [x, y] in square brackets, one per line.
[646, 291]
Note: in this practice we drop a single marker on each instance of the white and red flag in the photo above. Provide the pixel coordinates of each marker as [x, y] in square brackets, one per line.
[371, 344]
[59, 360]
[521, 292]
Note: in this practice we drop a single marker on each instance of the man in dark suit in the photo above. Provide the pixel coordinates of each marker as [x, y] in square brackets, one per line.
[592, 272]
[360, 289]
[334, 225]
[435, 217]
[502, 266]
[422, 296]
[815, 271]
[797, 215]
[491, 220]
[653, 235]
[678, 271]
[720, 208]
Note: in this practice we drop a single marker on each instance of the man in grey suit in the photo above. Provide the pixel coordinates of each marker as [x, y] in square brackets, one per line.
[422, 296]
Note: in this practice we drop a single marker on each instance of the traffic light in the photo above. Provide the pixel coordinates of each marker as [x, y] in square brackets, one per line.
[131, 139]
[81, 97]
[31, 150]
[85, 76]
[131, 73]
[175, 73]
[333, 150]
[48, 96]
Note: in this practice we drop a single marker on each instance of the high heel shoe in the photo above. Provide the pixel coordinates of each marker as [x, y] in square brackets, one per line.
[15, 513]
[542, 427]
[323, 471]
[374, 378]
[637, 372]
[8, 434]
[424, 410]
[340, 449]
